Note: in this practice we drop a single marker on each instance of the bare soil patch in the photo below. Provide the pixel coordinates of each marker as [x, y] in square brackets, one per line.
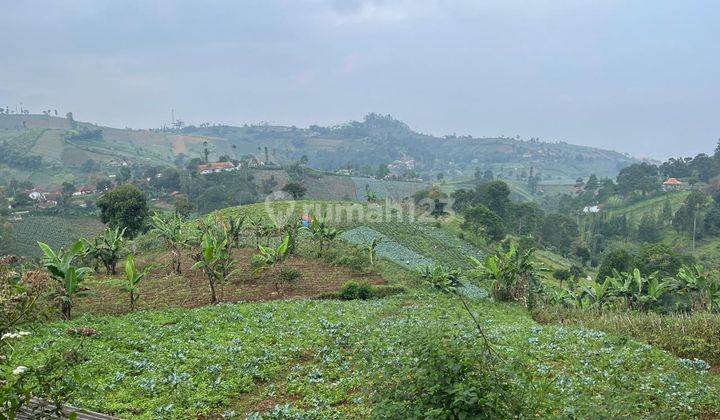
[163, 289]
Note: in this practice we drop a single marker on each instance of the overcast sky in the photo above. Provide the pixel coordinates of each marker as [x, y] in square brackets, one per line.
[636, 76]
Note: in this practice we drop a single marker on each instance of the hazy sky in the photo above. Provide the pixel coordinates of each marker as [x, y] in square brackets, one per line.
[637, 76]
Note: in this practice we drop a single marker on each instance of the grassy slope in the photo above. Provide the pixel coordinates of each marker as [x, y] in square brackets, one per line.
[636, 211]
[63, 159]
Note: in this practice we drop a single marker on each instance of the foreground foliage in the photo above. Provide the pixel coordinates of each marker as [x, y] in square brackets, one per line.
[20, 383]
[326, 358]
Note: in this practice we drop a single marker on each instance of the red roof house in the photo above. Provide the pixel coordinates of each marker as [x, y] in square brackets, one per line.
[671, 184]
[215, 167]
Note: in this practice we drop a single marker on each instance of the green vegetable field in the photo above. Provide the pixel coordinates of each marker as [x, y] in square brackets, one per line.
[330, 358]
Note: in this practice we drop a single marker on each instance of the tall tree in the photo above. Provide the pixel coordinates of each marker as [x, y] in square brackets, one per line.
[295, 189]
[495, 195]
[125, 208]
[66, 191]
[483, 221]
[643, 177]
[559, 231]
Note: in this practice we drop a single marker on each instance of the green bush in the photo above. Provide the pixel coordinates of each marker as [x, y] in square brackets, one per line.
[365, 290]
[377, 292]
[350, 290]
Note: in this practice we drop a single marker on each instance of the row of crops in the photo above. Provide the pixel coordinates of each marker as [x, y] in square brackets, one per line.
[23, 141]
[401, 241]
[386, 189]
[437, 244]
[388, 248]
[426, 245]
[56, 231]
[413, 241]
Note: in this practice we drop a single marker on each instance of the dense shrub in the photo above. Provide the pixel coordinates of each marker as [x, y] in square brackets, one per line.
[365, 290]
[619, 259]
[350, 290]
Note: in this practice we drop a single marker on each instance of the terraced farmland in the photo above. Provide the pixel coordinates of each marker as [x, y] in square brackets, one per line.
[388, 248]
[395, 190]
[434, 245]
[53, 230]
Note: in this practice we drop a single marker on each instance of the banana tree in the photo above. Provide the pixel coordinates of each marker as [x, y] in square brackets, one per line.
[704, 291]
[598, 293]
[625, 286]
[234, 229]
[638, 291]
[290, 229]
[371, 248]
[215, 259]
[656, 288]
[512, 274]
[132, 278]
[260, 229]
[321, 231]
[172, 231]
[68, 277]
[446, 280]
[269, 258]
[106, 248]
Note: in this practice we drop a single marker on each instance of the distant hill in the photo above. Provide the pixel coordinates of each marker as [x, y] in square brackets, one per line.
[383, 139]
[48, 150]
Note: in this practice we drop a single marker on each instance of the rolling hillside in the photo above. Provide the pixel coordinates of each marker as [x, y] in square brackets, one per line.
[359, 146]
[299, 356]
